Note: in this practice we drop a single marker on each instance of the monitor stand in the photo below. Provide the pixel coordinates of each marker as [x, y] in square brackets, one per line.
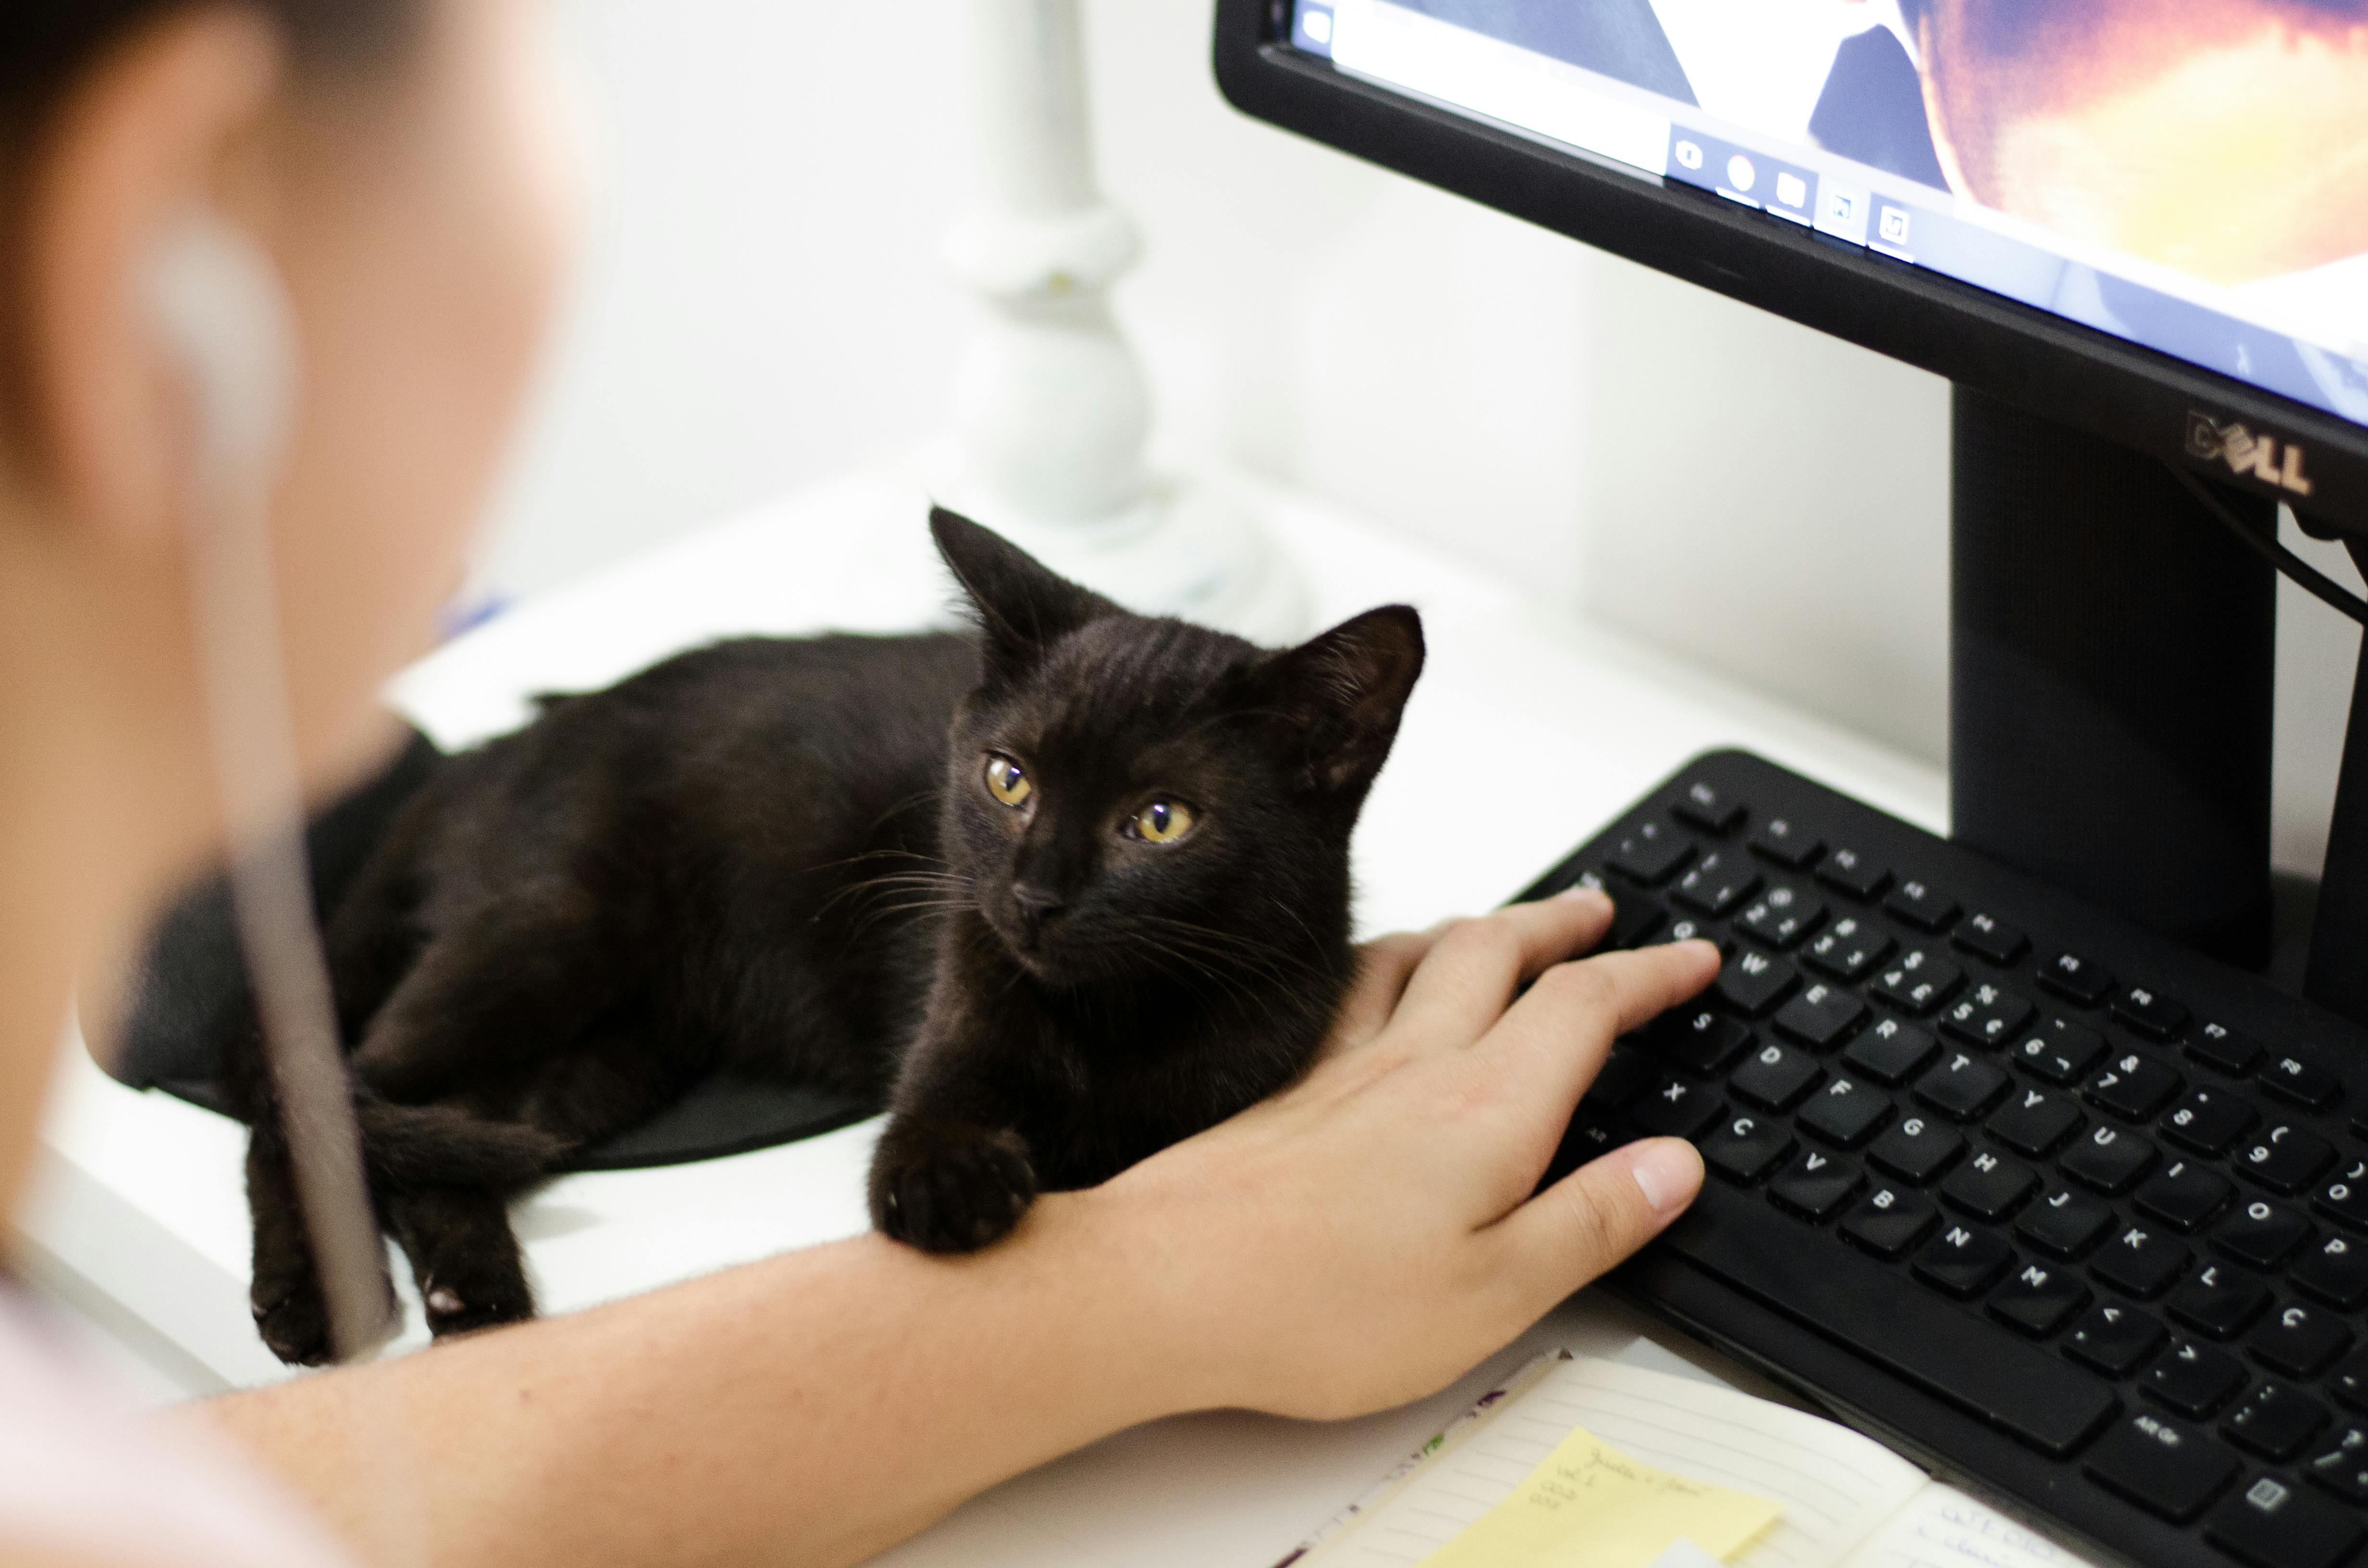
[2112, 666]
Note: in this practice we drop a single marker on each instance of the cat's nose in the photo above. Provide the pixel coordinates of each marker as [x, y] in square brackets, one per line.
[1037, 906]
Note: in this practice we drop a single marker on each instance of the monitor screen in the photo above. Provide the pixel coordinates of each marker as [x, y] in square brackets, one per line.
[2191, 178]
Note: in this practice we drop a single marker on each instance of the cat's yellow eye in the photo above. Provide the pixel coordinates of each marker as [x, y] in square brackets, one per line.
[1007, 781]
[1162, 821]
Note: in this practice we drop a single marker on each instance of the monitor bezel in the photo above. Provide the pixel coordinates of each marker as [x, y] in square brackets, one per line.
[2061, 370]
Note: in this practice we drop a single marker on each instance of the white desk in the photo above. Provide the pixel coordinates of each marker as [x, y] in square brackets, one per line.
[1526, 732]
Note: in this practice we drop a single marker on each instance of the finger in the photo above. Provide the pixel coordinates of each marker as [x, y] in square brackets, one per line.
[1554, 1038]
[1383, 967]
[1594, 1219]
[1470, 977]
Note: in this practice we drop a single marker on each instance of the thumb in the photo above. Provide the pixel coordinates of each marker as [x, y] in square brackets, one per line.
[1593, 1218]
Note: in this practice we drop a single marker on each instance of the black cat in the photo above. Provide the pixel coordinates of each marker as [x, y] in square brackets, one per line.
[1059, 892]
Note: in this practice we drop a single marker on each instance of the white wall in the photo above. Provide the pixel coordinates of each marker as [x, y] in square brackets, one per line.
[762, 304]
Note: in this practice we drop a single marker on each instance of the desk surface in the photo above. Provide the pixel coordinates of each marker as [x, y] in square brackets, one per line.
[1528, 729]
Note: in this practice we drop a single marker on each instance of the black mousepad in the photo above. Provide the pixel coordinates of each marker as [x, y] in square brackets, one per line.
[191, 975]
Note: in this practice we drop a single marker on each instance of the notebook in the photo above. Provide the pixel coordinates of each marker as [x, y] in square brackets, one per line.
[1846, 1501]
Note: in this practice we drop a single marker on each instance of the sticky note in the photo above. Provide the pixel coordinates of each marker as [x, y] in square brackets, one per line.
[1589, 1505]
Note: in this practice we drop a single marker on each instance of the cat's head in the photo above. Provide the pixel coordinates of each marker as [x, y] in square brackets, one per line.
[1128, 794]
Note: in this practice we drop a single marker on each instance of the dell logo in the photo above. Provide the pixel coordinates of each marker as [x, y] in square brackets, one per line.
[2256, 457]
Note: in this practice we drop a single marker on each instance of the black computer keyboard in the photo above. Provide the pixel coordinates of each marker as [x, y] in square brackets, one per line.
[2071, 1213]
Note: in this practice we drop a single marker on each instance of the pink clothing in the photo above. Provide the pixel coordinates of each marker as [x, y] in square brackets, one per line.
[85, 1480]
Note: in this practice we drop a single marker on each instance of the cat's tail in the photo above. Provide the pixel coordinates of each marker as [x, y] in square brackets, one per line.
[407, 1147]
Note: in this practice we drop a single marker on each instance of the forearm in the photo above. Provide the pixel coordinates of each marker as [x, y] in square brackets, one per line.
[813, 1408]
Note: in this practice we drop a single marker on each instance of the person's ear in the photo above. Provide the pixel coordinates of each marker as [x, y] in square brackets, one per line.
[158, 131]
[1339, 696]
[1023, 606]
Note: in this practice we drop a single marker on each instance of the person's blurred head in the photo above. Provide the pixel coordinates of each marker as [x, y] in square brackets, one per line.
[2225, 137]
[399, 161]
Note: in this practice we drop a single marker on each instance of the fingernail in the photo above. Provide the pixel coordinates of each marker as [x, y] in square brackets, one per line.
[1583, 893]
[1669, 1172]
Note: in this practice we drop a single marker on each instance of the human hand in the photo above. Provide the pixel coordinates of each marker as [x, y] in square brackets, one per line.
[1367, 1235]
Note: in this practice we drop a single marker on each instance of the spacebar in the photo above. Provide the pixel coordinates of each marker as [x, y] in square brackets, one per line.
[1815, 1280]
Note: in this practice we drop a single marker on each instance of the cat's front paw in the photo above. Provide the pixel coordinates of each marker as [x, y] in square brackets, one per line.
[293, 1320]
[949, 1187]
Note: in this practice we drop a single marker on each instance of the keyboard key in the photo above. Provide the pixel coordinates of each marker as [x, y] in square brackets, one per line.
[1917, 1149]
[1591, 1133]
[1922, 906]
[1963, 1087]
[2140, 1261]
[1816, 1185]
[2261, 1234]
[2299, 1341]
[1673, 1108]
[2107, 1159]
[2162, 1466]
[2133, 1087]
[1845, 1113]
[2298, 1083]
[2270, 1525]
[1651, 855]
[2059, 1051]
[1693, 928]
[1981, 1368]
[2113, 1339]
[1624, 1072]
[1707, 807]
[2208, 1120]
[2285, 1159]
[2150, 1013]
[2034, 1121]
[1986, 937]
[2275, 1422]
[1718, 883]
[2184, 1195]
[1753, 983]
[1987, 1015]
[1889, 1221]
[2224, 1049]
[2218, 1301]
[1847, 871]
[2336, 1272]
[1698, 1042]
[1989, 1186]
[2038, 1298]
[1776, 1077]
[2194, 1380]
[1781, 917]
[1963, 1262]
[2345, 1200]
[1744, 1149]
[1821, 1016]
[1790, 846]
[2076, 980]
[1918, 980]
[1892, 1052]
[1635, 919]
[2065, 1223]
[1848, 949]
[2341, 1463]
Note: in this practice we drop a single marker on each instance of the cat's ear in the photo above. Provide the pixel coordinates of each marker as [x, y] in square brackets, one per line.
[1339, 695]
[1023, 606]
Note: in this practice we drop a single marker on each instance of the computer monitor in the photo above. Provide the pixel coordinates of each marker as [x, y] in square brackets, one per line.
[2133, 236]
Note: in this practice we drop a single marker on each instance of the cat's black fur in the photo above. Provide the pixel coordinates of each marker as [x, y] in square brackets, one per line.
[781, 856]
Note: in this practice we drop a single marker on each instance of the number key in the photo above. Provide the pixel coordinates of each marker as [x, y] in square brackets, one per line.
[1848, 949]
[2285, 1158]
[2207, 1122]
[1917, 981]
[2133, 1087]
[1781, 917]
[2060, 1051]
